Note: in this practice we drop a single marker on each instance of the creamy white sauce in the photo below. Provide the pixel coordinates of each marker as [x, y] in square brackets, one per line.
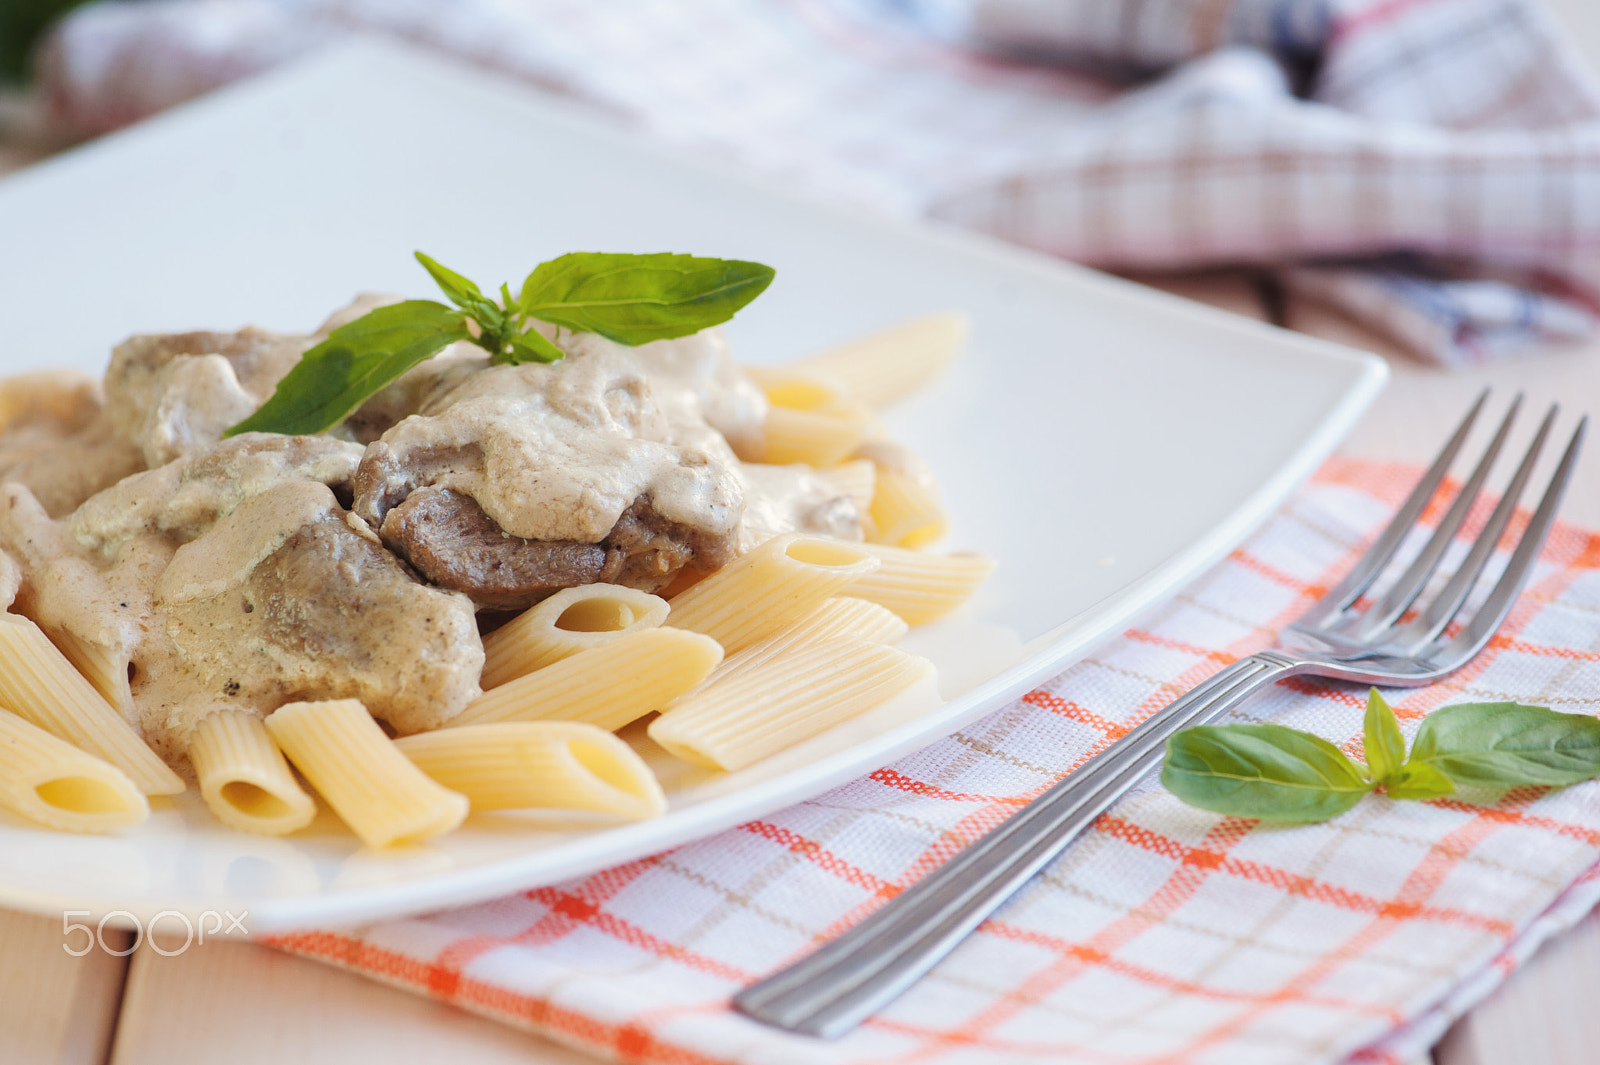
[188, 570]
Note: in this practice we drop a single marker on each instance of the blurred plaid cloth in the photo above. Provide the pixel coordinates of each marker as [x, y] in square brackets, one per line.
[1430, 166]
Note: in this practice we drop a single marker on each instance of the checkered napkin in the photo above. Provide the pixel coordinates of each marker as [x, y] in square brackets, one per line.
[1432, 166]
[1167, 934]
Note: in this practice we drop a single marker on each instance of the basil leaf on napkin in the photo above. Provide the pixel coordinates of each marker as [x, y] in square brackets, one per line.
[634, 299]
[1385, 748]
[1276, 773]
[1265, 771]
[1418, 780]
[1507, 744]
[338, 375]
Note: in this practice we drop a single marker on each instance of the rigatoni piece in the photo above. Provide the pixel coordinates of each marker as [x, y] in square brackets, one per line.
[887, 365]
[538, 764]
[244, 778]
[786, 699]
[40, 685]
[607, 686]
[379, 793]
[919, 586]
[49, 781]
[572, 620]
[770, 588]
[842, 617]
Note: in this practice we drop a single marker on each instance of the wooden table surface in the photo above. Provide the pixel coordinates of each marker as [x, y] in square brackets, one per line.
[248, 1005]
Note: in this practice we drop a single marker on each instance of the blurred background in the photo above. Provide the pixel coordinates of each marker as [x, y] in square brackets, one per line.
[1426, 171]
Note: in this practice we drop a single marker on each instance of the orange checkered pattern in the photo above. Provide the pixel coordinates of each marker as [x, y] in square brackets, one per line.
[1166, 935]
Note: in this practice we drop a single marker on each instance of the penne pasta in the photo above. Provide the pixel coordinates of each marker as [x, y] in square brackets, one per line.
[47, 780]
[770, 588]
[105, 671]
[244, 778]
[856, 479]
[783, 700]
[607, 686]
[884, 366]
[905, 511]
[538, 764]
[919, 586]
[379, 793]
[810, 419]
[572, 620]
[842, 617]
[40, 685]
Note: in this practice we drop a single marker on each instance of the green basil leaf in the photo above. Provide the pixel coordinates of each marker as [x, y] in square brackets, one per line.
[334, 378]
[1507, 744]
[634, 299]
[1384, 746]
[462, 292]
[529, 347]
[1419, 780]
[1266, 771]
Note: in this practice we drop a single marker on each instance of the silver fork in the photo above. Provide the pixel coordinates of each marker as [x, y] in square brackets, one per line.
[834, 989]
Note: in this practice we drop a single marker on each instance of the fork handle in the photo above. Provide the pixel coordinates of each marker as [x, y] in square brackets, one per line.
[847, 980]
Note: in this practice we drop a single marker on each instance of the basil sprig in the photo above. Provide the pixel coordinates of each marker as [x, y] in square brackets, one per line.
[1274, 773]
[631, 299]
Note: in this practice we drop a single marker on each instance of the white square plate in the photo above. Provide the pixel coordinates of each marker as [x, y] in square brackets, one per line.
[1104, 442]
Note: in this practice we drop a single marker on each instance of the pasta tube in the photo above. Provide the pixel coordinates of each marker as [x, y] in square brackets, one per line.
[105, 671]
[572, 620]
[47, 780]
[607, 686]
[379, 793]
[525, 764]
[41, 686]
[840, 617]
[786, 699]
[856, 479]
[243, 776]
[884, 366]
[905, 508]
[770, 588]
[810, 420]
[919, 586]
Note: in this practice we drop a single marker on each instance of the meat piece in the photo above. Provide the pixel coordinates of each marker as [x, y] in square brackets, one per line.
[184, 498]
[55, 438]
[647, 550]
[284, 600]
[172, 395]
[449, 539]
[454, 544]
[543, 477]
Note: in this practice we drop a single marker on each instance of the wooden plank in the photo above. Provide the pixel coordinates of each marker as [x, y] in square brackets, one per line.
[1544, 1013]
[56, 1009]
[245, 1004]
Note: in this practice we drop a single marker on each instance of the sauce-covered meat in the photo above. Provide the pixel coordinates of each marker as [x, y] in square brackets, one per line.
[187, 572]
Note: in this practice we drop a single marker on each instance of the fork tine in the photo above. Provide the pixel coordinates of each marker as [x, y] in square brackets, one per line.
[1404, 592]
[1369, 565]
[1444, 607]
[1500, 600]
